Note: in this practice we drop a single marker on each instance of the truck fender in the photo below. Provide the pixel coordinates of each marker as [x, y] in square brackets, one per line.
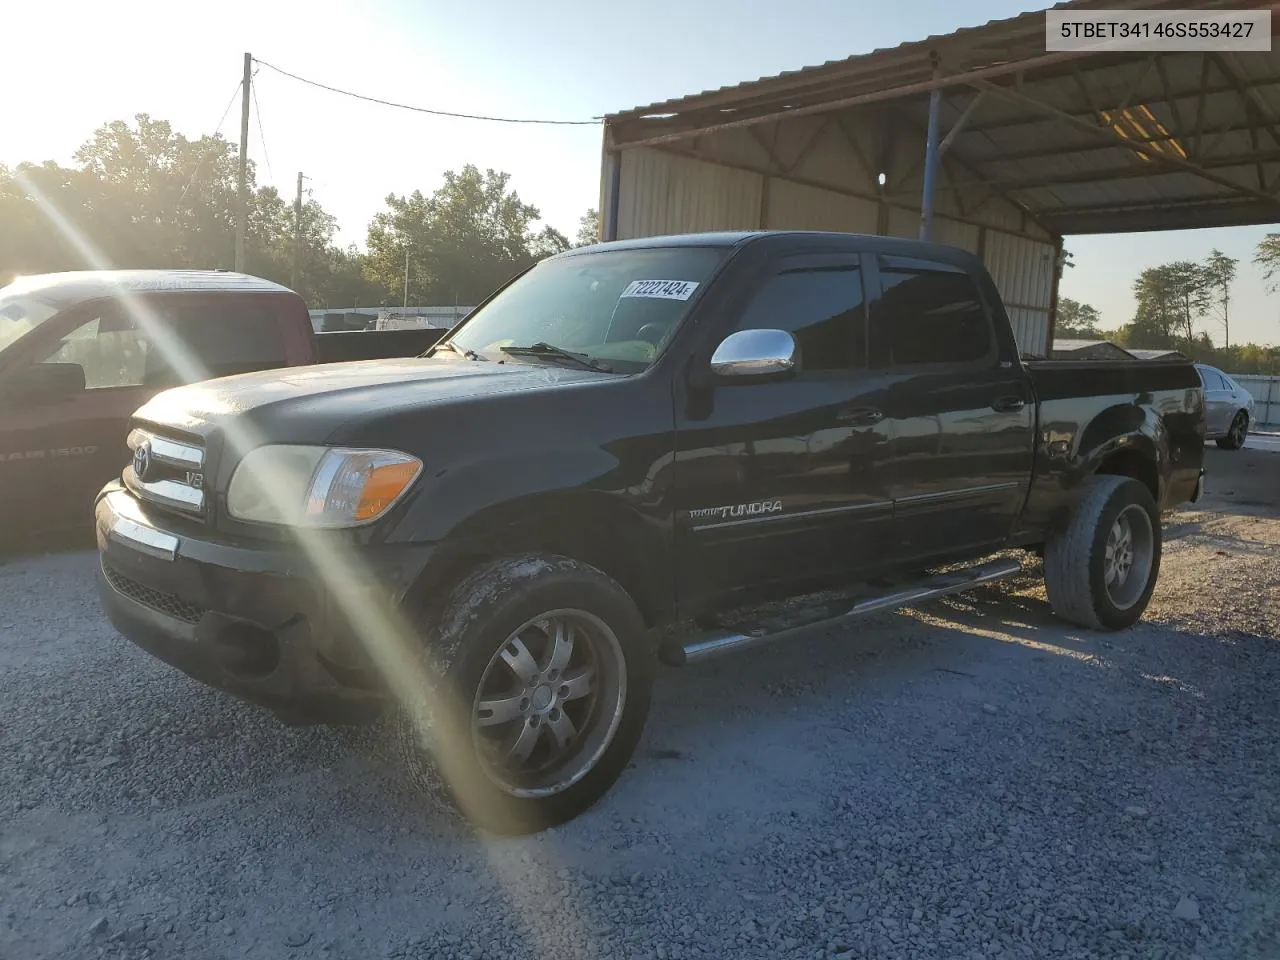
[1126, 439]
[555, 501]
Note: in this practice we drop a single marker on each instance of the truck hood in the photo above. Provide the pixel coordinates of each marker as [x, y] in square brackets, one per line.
[306, 404]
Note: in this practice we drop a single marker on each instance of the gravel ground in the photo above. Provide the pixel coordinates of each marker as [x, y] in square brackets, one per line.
[967, 780]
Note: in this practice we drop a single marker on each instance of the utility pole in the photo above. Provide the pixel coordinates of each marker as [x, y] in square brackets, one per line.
[297, 233]
[242, 195]
[406, 278]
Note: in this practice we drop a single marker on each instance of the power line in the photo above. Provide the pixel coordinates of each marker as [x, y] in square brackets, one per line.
[437, 113]
[253, 88]
[216, 132]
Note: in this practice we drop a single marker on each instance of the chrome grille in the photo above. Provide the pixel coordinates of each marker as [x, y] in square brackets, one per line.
[170, 604]
[166, 472]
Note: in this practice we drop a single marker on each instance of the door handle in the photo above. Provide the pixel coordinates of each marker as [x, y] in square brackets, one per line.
[1008, 404]
[860, 416]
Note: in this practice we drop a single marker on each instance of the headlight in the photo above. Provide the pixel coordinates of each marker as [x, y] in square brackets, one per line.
[319, 486]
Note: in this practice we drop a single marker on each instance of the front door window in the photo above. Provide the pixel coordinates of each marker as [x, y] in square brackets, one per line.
[110, 349]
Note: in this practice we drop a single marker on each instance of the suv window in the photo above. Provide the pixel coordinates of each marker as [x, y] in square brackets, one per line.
[1212, 379]
[926, 315]
[823, 308]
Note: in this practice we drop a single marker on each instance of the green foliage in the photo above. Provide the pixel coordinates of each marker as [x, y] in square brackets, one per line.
[146, 196]
[1267, 256]
[463, 242]
[588, 229]
[1171, 299]
[1174, 298]
[1077, 321]
[1220, 273]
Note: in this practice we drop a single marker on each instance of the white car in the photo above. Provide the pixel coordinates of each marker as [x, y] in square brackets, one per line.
[1228, 408]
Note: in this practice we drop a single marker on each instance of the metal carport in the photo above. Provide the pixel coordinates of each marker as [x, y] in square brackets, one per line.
[1031, 146]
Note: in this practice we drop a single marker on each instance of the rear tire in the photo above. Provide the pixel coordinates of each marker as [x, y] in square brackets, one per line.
[1236, 433]
[544, 674]
[1101, 569]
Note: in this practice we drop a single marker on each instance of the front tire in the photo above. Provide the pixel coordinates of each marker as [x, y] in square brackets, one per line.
[1101, 569]
[1236, 433]
[544, 676]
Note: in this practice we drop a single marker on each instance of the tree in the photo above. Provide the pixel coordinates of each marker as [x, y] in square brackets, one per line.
[1171, 298]
[149, 197]
[1220, 273]
[1190, 287]
[1156, 318]
[1077, 320]
[465, 240]
[588, 229]
[1267, 256]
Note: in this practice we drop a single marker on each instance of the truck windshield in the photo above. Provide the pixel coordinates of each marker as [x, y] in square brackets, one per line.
[19, 315]
[617, 307]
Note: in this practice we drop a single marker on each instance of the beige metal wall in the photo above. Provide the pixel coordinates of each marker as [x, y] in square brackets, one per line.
[820, 173]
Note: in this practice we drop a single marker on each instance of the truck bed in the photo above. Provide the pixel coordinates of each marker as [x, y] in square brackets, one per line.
[1090, 410]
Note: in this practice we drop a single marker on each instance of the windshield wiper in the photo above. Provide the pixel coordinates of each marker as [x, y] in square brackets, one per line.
[450, 345]
[544, 349]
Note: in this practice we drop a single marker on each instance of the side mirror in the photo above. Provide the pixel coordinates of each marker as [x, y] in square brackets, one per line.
[44, 382]
[756, 354]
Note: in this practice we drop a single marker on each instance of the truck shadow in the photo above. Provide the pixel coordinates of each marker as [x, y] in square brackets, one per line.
[764, 733]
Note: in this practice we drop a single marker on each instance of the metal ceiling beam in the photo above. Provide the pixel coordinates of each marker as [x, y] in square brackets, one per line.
[958, 127]
[854, 146]
[1236, 213]
[872, 96]
[1118, 208]
[1190, 94]
[960, 161]
[1128, 172]
[1200, 114]
[758, 136]
[1137, 82]
[1218, 134]
[1085, 92]
[1073, 149]
[1169, 99]
[1254, 103]
[1134, 145]
[809, 144]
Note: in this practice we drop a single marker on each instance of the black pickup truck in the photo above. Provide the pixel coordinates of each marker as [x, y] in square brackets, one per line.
[623, 457]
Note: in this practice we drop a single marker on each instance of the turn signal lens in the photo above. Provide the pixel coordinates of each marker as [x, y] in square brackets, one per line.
[383, 488]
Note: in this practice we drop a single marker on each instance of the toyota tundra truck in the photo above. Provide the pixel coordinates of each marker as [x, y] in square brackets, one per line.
[633, 453]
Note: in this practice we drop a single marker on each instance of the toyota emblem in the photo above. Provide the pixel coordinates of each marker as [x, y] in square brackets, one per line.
[142, 461]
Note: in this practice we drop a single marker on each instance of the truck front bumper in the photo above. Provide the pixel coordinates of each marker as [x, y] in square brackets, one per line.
[256, 621]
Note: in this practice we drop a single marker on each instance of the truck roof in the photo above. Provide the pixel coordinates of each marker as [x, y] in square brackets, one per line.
[900, 246]
[74, 286]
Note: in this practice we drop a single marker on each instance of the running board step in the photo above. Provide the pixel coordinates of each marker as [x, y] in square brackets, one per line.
[717, 642]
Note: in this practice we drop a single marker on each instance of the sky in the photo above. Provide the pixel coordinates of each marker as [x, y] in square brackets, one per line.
[80, 63]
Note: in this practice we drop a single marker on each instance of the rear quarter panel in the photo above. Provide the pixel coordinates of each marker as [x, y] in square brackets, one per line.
[1094, 411]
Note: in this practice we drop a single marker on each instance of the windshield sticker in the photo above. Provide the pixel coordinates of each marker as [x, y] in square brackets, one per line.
[660, 289]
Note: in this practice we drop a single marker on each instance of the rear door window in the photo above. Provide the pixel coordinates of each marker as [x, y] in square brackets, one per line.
[220, 336]
[929, 314]
[1212, 379]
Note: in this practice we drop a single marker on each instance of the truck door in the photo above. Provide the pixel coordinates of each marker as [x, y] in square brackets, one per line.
[64, 438]
[962, 409]
[786, 482]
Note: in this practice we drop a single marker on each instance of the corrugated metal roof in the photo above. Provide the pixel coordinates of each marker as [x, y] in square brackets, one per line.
[1083, 143]
[890, 63]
